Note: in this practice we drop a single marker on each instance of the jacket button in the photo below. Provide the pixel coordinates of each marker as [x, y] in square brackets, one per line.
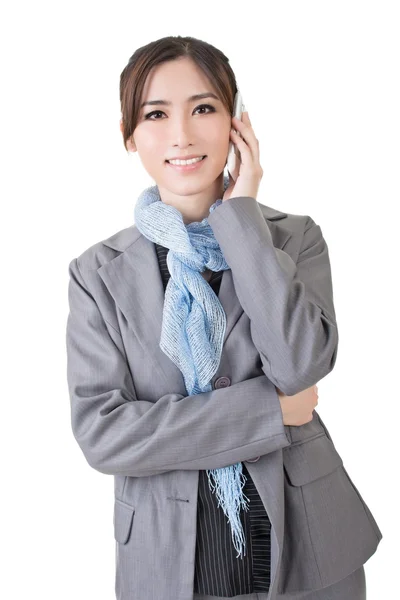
[253, 459]
[222, 382]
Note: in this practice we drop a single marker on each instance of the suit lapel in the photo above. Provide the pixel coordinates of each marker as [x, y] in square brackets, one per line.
[134, 281]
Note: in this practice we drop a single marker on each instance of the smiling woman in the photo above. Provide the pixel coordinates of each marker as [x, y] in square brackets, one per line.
[183, 330]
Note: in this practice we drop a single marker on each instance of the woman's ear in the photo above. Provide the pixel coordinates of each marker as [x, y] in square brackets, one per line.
[129, 143]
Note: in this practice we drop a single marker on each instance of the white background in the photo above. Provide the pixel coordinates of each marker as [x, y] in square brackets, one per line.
[321, 83]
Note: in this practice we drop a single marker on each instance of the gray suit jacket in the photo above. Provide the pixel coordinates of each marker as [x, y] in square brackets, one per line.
[132, 418]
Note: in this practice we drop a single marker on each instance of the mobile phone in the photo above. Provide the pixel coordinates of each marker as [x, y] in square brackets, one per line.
[233, 159]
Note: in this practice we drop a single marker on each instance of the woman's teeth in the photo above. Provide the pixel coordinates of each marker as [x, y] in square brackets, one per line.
[186, 162]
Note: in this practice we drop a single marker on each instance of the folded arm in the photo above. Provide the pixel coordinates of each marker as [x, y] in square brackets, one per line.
[121, 434]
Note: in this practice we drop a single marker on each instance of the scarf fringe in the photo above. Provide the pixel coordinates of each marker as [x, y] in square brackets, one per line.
[229, 483]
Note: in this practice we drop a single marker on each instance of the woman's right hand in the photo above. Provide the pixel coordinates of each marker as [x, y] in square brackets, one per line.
[298, 409]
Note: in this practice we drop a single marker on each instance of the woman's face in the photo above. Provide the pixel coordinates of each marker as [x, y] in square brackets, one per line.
[181, 128]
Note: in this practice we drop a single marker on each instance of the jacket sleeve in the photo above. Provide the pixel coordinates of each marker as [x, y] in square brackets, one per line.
[121, 434]
[290, 305]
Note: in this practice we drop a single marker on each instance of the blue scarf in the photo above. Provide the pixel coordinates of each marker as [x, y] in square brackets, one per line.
[194, 320]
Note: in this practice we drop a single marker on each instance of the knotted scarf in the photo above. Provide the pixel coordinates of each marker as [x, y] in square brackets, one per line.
[194, 321]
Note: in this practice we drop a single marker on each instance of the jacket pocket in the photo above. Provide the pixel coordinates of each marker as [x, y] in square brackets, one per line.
[123, 518]
[310, 459]
[329, 531]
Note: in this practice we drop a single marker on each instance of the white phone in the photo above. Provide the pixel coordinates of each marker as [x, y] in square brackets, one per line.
[232, 162]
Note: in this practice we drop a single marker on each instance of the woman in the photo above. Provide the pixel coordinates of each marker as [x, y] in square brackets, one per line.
[195, 339]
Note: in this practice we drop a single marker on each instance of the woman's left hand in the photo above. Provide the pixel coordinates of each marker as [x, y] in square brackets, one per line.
[250, 171]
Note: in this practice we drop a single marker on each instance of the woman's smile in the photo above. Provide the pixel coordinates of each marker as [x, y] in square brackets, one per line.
[187, 168]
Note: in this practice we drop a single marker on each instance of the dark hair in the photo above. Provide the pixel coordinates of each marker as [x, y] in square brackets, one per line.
[212, 61]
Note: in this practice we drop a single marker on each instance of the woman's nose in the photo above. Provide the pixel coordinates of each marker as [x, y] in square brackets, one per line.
[181, 132]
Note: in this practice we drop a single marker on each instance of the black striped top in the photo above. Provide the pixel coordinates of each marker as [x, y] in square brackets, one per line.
[217, 570]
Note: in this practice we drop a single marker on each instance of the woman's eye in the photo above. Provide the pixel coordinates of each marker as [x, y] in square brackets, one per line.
[157, 112]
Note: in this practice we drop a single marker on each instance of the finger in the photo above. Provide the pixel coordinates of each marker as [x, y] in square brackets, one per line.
[246, 154]
[245, 117]
[246, 131]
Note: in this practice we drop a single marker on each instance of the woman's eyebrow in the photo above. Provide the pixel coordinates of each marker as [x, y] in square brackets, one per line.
[190, 99]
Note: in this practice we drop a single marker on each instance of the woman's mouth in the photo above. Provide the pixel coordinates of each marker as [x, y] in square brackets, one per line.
[187, 167]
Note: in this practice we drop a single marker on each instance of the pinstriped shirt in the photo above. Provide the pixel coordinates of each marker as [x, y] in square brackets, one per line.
[217, 570]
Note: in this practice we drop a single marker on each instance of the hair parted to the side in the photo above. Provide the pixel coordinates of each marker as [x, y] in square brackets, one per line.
[213, 62]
